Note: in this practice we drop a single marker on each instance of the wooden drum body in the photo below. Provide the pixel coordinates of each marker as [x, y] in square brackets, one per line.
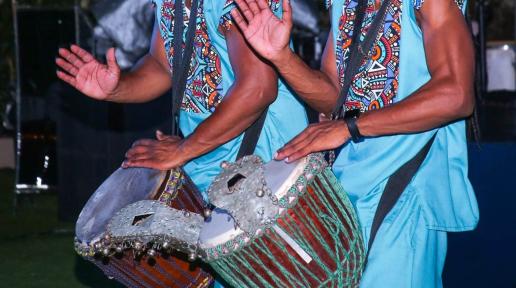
[295, 227]
[136, 263]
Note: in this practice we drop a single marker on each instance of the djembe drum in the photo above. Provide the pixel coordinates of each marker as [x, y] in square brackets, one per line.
[296, 226]
[136, 263]
[277, 225]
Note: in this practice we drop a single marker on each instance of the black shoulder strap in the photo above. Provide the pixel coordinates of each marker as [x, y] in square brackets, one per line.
[182, 58]
[359, 50]
[251, 136]
[181, 69]
[396, 184]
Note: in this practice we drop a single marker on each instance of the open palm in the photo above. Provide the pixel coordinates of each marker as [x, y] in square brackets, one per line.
[86, 74]
[265, 32]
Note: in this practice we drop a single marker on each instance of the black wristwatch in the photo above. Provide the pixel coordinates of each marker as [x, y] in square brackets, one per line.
[353, 129]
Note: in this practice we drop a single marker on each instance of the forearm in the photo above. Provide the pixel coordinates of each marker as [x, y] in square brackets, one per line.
[315, 87]
[241, 107]
[147, 81]
[434, 105]
[449, 95]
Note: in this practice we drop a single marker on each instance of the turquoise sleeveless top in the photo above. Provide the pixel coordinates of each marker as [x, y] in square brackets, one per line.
[396, 70]
[210, 78]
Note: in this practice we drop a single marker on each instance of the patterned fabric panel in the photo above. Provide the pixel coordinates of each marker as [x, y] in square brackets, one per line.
[226, 21]
[204, 83]
[376, 84]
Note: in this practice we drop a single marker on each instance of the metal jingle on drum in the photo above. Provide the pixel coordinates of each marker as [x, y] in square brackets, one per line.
[260, 193]
[192, 256]
[138, 245]
[224, 165]
[151, 253]
[207, 212]
[97, 246]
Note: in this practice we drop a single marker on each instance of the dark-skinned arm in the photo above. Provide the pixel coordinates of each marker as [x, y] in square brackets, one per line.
[322, 89]
[255, 88]
[447, 97]
[149, 79]
[270, 37]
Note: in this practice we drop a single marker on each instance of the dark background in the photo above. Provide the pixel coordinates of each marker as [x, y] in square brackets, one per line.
[84, 139]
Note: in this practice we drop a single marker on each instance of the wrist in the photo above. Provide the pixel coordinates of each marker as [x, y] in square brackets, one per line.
[353, 130]
[114, 95]
[282, 58]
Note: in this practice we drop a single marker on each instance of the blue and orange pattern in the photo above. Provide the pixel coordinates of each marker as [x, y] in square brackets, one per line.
[204, 84]
[376, 84]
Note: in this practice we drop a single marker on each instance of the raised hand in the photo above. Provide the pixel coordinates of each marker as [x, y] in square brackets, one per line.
[82, 71]
[266, 33]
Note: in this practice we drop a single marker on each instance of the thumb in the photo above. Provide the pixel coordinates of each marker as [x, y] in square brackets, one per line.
[159, 135]
[111, 61]
[287, 12]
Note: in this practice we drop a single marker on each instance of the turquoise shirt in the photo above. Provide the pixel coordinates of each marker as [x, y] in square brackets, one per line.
[211, 76]
[397, 69]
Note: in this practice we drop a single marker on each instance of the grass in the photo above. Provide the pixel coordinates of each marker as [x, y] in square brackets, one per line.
[37, 249]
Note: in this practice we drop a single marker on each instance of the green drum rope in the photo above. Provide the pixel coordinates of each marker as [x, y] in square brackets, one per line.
[338, 219]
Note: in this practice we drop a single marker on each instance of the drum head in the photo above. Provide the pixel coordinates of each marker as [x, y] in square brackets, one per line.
[124, 187]
[218, 229]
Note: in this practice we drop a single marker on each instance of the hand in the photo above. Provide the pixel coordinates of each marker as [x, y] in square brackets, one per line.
[165, 153]
[266, 33]
[86, 74]
[318, 137]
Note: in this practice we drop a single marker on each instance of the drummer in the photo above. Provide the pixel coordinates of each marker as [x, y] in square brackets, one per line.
[417, 85]
[227, 90]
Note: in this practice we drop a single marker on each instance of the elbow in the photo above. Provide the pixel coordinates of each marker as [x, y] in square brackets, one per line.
[261, 92]
[463, 103]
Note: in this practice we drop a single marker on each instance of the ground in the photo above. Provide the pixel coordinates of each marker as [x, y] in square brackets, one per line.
[37, 249]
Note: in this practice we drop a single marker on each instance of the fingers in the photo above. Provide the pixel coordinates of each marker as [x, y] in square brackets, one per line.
[83, 55]
[263, 4]
[137, 150]
[71, 58]
[246, 10]
[69, 68]
[111, 61]
[253, 6]
[160, 136]
[66, 78]
[239, 19]
[143, 163]
[287, 12]
[144, 142]
[292, 153]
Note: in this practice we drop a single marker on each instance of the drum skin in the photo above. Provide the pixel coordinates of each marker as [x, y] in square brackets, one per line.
[323, 222]
[134, 270]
